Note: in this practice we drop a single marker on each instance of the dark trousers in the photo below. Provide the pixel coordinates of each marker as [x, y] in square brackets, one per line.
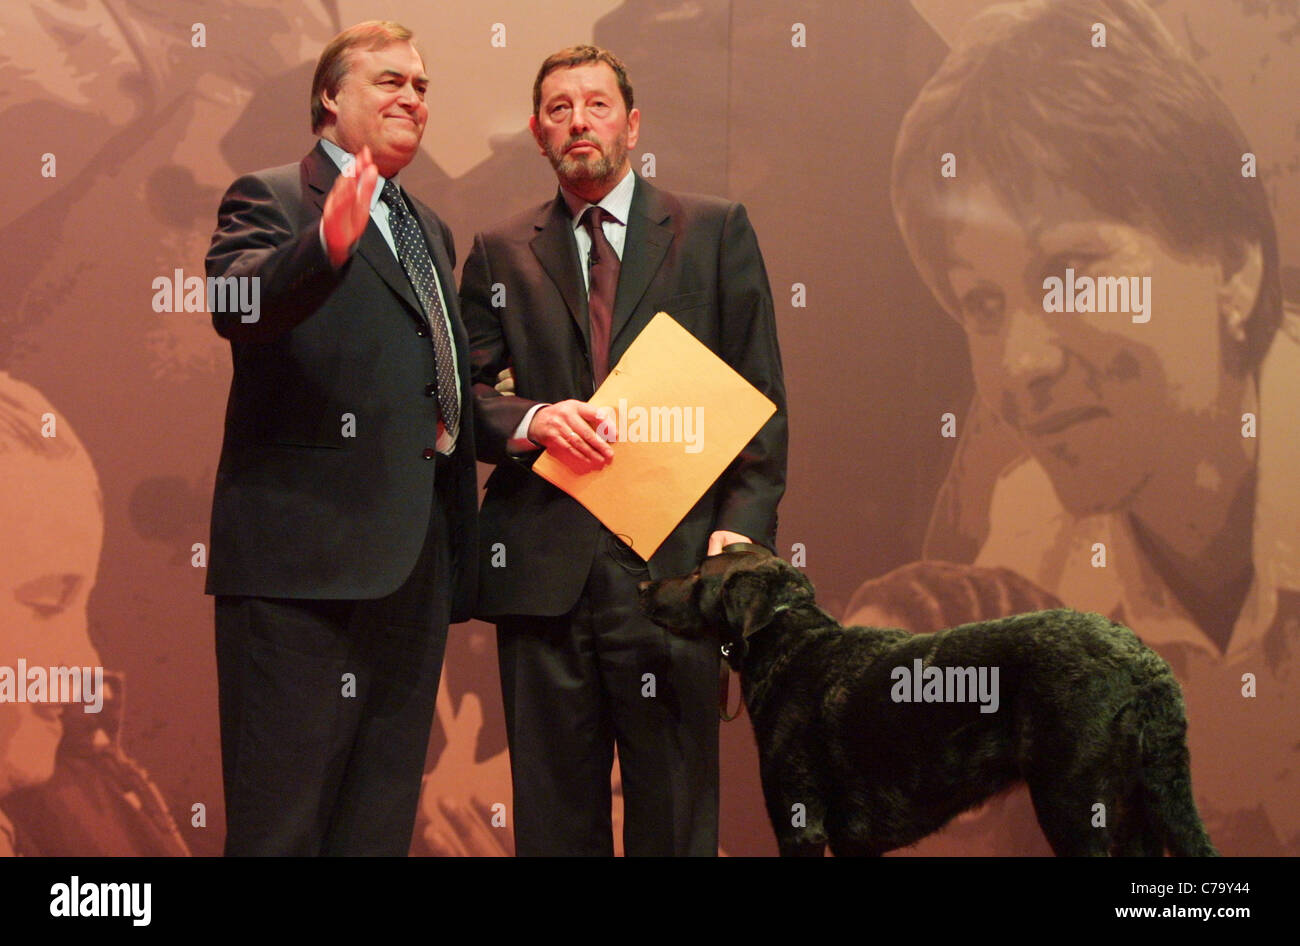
[326, 708]
[576, 685]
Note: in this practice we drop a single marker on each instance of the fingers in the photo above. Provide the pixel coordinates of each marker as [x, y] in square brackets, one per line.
[347, 206]
[575, 438]
[361, 163]
[364, 178]
[367, 178]
[505, 385]
[565, 429]
[601, 419]
[336, 240]
[722, 538]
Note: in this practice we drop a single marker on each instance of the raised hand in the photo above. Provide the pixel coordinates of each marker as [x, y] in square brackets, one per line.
[347, 208]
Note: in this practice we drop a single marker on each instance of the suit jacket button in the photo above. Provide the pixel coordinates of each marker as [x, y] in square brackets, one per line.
[430, 453]
[431, 389]
[422, 331]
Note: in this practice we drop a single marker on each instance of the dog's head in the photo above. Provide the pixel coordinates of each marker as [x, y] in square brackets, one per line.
[735, 595]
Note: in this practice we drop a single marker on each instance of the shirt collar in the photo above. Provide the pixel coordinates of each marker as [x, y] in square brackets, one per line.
[618, 201]
[342, 158]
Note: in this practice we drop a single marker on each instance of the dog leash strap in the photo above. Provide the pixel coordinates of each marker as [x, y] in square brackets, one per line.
[724, 693]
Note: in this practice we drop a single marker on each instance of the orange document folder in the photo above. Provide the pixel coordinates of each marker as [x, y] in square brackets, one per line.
[682, 415]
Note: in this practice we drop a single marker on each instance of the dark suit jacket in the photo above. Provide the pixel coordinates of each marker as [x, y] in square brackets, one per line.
[696, 258]
[300, 510]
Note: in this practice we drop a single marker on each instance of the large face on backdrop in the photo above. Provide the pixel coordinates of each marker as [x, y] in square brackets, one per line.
[53, 529]
[1085, 390]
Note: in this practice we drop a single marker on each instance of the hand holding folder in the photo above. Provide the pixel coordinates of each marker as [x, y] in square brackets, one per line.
[678, 415]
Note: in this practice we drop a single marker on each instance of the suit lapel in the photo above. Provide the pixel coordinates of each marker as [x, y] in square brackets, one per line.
[319, 172]
[376, 252]
[648, 238]
[374, 248]
[556, 250]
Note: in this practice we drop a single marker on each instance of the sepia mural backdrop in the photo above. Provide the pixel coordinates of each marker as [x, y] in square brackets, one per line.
[918, 172]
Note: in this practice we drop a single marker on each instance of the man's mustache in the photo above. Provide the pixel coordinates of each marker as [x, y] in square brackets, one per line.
[589, 139]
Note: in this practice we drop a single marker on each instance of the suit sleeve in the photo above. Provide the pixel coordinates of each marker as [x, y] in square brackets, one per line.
[495, 416]
[752, 486]
[255, 237]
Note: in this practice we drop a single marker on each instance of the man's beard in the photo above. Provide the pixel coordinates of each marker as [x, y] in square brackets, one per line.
[580, 168]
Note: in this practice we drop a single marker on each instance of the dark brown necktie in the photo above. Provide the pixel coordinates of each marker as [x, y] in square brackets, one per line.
[602, 284]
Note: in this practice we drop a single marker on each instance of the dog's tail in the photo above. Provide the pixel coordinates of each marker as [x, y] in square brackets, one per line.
[1169, 806]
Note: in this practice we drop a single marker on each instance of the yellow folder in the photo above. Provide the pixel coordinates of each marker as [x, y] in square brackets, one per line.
[682, 415]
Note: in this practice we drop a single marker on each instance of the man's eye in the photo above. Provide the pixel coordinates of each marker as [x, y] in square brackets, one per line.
[983, 308]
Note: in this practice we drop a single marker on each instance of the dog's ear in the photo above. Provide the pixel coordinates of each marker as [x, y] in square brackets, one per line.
[754, 595]
[747, 601]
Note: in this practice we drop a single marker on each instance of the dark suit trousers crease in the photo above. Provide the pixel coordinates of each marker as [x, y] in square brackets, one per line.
[575, 685]
[307, 768]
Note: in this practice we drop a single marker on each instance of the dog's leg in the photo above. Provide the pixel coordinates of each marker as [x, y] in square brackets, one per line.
[1166, 772]
[1066, 814]
[1137, 834]
[802, 836]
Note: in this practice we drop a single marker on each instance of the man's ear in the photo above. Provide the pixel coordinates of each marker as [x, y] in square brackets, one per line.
[1238, 291]
[330, 102]
[747, 601]
[537, 134]
[633, 128]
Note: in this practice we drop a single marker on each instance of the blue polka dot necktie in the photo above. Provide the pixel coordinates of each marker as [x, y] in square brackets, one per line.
[414, 257]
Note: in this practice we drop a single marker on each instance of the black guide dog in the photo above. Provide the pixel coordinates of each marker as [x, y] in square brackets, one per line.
[869, 738]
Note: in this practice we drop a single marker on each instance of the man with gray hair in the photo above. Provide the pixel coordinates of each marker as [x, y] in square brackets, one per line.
[343, 519]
